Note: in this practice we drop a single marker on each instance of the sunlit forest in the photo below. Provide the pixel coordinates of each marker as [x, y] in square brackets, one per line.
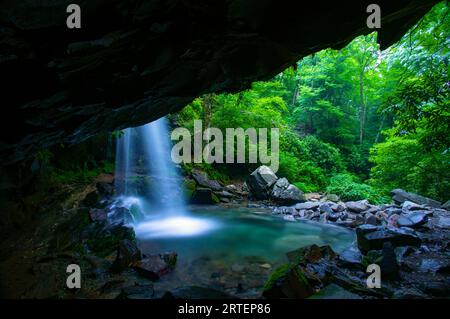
[357, 122]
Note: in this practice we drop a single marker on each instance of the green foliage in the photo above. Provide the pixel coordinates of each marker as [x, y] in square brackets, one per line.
[81, 175]
[348, 189]
[404, 162]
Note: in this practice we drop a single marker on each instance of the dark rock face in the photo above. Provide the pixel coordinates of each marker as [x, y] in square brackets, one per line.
[373, 238]
[155, 266]
[201, 178]
[400, 196]
[127, 253]
[260, 182]
[285, 193]
[133, 62]
[204, 196]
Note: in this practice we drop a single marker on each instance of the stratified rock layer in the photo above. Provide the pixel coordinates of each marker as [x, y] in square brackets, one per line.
[135, 61]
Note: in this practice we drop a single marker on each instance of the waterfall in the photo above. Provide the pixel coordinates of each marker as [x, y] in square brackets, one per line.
[143, 158]
[148, 185]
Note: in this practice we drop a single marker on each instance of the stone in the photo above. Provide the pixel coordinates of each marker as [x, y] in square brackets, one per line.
[307, 205]
[388, 264]
[412, 220]
[407, 206]
[155, 266]
[358, 206]
[371, 219]
[338, 207]
[351, 256]
[204, 196]
[332, 216]
[443, 222]
[400, 196]
[284, 210]
[325, 209]
[289, 218]
[91, 199]
[285, 193]
[287, 281]
[201, 178]
[127, 254]
[332, 198]
[98, 214]
[261, 181]
[371, 237]
[120, 215]
[231, 188]
[104, 188]
[446, 205]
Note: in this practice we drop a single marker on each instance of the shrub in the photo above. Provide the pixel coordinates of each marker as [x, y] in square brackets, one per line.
[347, 188]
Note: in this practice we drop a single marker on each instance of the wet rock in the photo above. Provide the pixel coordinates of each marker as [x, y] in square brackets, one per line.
[231, 188]
[120, 215]
[412, 220]
[408, 206]
[358, 206]
[224, 194]
[408, 293]
[307, 205]
[92, 199]
[443, 222]
[446, 205]
[285, 193]
[371, 219]
[392, 220]
[332, 198]
[289, 218]
[127, 254]
[325, 209]
[371, 237]
[400, 196]
[97, 214]
[351, 256]
[260, 182]
[338, 207]
[402, 252]
[201, 178]
[388, 264]
[155, 266]
[436, 288]
[332, 216]
[195, 292]
[287, 281]
[284, 210]
[104, 188]
[381, 217]
[204, 196]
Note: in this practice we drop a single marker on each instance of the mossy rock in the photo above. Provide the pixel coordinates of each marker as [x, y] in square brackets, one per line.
[287, 281]
[189, 187]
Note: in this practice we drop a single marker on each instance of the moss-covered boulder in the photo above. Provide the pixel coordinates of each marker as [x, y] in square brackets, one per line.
[288, 281]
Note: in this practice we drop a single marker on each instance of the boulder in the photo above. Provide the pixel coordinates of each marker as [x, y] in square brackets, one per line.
[104, 188]
[260, 182]
[127, 254]
[120, 215]
[446, 205]
[287, 281]
[370, 237]
[201, 178]
[307, 205]
[155, 266]
[388, 264]
[371, 219]
[408, 206]
[443, 222]
[415, 219]
[399, 196]
[325, 209]
[358, 206]
[204, 196]
[285, 193]
[91, 199]
[97, 214]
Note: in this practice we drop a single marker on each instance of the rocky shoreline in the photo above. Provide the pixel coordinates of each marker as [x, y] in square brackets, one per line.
[409, 239]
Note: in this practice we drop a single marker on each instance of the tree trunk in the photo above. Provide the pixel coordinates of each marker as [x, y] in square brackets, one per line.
[362, 107]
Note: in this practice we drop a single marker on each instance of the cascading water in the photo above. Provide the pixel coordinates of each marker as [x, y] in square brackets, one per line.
[147, 183]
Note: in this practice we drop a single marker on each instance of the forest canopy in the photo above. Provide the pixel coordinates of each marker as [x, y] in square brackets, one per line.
[356, 122]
